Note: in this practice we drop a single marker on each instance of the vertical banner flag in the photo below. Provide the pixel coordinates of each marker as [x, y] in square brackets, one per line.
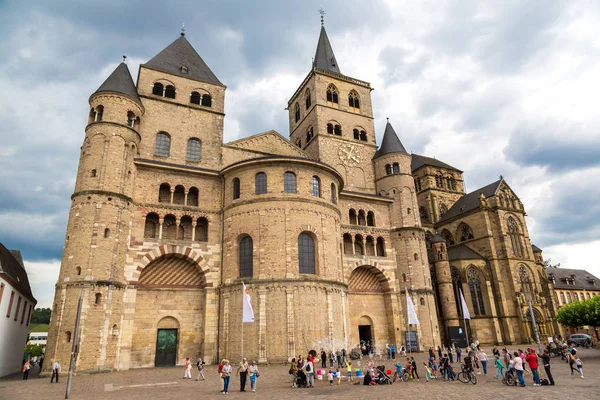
[247, 313]
[466, 314]
[410, 310]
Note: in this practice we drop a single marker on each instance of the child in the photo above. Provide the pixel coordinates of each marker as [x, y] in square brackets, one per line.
[349, 367]
[579, 366]
[500, 368]
[338, 376]
[427, 372]
[330, 376]
[409, 368]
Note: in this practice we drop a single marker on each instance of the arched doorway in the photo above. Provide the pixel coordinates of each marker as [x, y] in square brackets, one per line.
[365, 329]
[539, 321]
[167, 335]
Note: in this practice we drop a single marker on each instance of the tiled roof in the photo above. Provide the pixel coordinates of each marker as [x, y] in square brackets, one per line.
[120, 82]
[419, 161]
[324, 57]
[390, 142]
[13, 267]
[463, 252]
[470, 201]
[535, 248]
[581, 279]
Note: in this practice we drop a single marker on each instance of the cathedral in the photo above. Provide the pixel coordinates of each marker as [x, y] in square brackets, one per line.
[328, 231]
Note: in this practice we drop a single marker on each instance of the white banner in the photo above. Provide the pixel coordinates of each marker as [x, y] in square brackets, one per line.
[465, 309]
[410, 311]
[247, 312]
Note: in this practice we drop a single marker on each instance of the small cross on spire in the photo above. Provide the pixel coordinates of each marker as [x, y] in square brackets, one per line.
[322, 12]
[124, 58]
[183, 29]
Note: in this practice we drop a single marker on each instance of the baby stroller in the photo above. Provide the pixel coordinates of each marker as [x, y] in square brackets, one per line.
[355, 354]
[382, 377]
[301, 379]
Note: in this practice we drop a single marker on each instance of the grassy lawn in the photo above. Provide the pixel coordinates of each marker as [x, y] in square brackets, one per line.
[38, 328]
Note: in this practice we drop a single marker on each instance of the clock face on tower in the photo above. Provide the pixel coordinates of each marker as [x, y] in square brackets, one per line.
[348, 155]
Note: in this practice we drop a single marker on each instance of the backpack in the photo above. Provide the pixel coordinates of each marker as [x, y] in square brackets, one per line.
[308, 368]
[544, 382]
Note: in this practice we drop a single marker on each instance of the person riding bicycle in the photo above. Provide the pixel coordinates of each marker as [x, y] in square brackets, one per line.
[468, 363]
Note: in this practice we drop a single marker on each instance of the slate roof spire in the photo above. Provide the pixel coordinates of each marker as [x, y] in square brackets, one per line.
[180, 59]
[390, 142]
[324, 57]
[120, 81]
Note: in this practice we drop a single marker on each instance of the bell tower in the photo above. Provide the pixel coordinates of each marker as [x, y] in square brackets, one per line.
[331, 119]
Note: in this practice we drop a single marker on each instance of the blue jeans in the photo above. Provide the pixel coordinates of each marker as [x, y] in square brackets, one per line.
[520, 376]
[499, 372]
[484, 366]
[451, 357]
[536, 376]
[226, 383]
[339, 361]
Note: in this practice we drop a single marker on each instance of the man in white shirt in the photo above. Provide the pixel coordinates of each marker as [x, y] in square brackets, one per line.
[55, 371]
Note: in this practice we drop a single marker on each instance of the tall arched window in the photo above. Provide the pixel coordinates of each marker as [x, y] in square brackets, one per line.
[370, 218]
[201, 230]
[353, 100]
[363, 136]
[452, 183]
[361, 218]
[575, 296]
[78, 270]
[185, 228]
[236, 188]
[525, 282]
[356, 134]
[348, 244]
[158, 89]
[246, 257]
[170, 91]
[164, 193]
[306, 254]
[337, 130]
[192, 197]
[130, 119]
[99, 113]
[195, 98]
[98, 298]
[457, 288]
[332, 94]
[316, 186]
[162, 147]
[359, 246]
[447, 237]
[307, 98]
[151, 226]
[194, 150]
[380, 247]
[370, 246]
[439, 181]
[352, 217]
[465, 232]
[515, 237]
[333, 193]
[475, 288]
[297, 112]
[568, 297]
[396, 168]
[169, 227]
[260, 183]
[562, 298]
[206, 100]
[179, 195]
[289, 182]
[388, 169]
[330, 129]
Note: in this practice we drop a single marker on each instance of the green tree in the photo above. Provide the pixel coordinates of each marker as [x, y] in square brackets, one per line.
[580, 313]
[548, 264]
[41, 316]
[34, 350]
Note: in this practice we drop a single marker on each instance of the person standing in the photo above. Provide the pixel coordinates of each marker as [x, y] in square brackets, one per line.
[188, 369]
[393, 351]
[533, 365]
[571, 360]
[579, 365]
[483, 358]
[220, 371]
[331, 358]
[40, 363]
[388, 351]
[226, 375]
[403, 351]
[546, 360]
[517, 364]
[450, 355]
[323, 359]
[26, 368]
[242, 371]
[414, 367]
[458, 355]
[200, 365]
[309, 370]
[338, 355]
[506, 356]
[55, 371]
[439, 351]
[499, 368]
[253, 371]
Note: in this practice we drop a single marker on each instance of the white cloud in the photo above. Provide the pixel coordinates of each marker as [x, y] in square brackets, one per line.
[42, 277]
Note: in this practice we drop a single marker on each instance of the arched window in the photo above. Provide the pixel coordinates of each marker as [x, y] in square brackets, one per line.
[309, 134]
[99, 113]
[352, 216]
[348, 249]
[370, 218]
[370, 246]
[396, 168]
[158, 89]
[78, 270]
[562, 298]
[465, 232]
[162, 147]
[587, 296]
[170, 91]
[106, 233]
[151, 226]
[525, 282]
[164, 193]
[380, 247]
[289, 182]
[316, 186]
[576, 296]
[443, 209]
[130, 119]
[307, 98]
[356, 134]
[297, 112]
[568, 297]
[447, 237]
[246, 257]
[185, 228]
[179, 195]
[98, 298]
[333, 193]
[170, 227]
[353, 100]
[403, 277]
[423, 214]
[195, 98]
[206, 100]
[475, 288]
[201, 234]
[260, 183]
[416, 257]
[359, 248]
[236, 188]
[337, 130]
[452, 183]
[363, 136]
[388, 169]
[194, 150]
[68, 336]
[422, 301]
[515, 238]
[330, 129]
[192, 197]
[361, 218]
[332, 94]
[457, 289]
[439, 181]
[306, 254]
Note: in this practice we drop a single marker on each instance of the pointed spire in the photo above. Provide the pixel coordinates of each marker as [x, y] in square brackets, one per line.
[179, 58]
[120, 82]
[324, 57]
[390, 142]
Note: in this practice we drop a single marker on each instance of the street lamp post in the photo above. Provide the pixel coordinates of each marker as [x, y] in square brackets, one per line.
[533, 322]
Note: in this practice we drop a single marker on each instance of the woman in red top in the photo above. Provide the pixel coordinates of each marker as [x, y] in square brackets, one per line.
[533, 364]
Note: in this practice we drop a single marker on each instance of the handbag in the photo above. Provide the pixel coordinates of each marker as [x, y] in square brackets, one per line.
[257, 374]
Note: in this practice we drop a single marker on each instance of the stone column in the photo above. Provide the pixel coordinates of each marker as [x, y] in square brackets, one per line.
[210, 325]
[224, 353]
[172, 194]
[262, 326]
[345, 318]
[329, 316]
[493, 312]
[185, 197]
[194, 231]
[177, 222]
[444, 282]
[160, 226]
[291, 328]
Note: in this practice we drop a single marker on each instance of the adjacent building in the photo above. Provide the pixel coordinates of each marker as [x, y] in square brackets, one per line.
[16, 304]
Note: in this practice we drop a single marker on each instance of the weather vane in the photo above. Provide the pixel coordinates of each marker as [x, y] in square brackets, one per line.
[322, 12]
[183, 29]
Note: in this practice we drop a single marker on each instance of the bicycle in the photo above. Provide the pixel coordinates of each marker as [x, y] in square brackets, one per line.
[403, 376]
[509, 378]
[467, 375]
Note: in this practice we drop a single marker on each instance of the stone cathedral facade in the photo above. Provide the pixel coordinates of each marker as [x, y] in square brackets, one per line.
[327, 230]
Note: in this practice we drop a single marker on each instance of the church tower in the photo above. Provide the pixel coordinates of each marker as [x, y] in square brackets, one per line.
[331, 118]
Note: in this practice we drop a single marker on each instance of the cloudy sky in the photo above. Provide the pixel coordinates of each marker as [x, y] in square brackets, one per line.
[495, 87]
